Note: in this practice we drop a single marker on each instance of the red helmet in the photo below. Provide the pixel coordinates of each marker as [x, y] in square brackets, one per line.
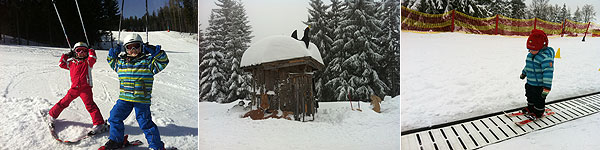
[537, 40]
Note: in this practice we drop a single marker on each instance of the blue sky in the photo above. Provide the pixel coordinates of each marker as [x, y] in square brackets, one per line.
[138, 7]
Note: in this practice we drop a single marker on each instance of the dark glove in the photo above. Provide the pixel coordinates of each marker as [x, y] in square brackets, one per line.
[114, 52]
[70, 54]
[545, 92]
[151, 49]
[522, 76]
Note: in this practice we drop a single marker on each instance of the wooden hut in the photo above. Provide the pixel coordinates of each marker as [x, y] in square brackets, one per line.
[282, 70]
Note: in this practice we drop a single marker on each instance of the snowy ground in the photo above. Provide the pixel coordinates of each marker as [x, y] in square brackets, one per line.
[452, 76]
[30, 80]
[336, 126]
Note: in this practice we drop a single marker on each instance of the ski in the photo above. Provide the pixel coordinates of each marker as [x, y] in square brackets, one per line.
[520, 113]
[57, 138]
[125, 144]
[529, 120]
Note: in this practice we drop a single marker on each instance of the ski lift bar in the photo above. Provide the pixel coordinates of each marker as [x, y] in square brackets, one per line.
[81, 19]
[61, 25]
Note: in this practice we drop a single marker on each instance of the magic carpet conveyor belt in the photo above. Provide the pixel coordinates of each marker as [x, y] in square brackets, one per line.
[474, 133]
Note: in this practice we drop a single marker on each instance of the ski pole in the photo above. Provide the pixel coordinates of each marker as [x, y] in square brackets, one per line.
[61, 25]
[120, 19]
[83, 26]
[147, 15]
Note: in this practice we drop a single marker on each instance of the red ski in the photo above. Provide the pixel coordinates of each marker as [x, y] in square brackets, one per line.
[125, 143]
[526, 121]
[520, 113]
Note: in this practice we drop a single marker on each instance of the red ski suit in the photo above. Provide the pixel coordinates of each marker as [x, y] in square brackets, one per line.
[81, 86]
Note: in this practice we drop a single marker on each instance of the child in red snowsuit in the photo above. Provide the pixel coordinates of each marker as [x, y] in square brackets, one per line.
[79, 62]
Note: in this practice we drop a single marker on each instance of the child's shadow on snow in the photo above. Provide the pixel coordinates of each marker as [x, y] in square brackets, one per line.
[169, 130]
[60, 125]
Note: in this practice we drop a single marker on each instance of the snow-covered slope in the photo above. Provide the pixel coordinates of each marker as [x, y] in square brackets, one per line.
[30, 80]
[452, 76]
[336, 126]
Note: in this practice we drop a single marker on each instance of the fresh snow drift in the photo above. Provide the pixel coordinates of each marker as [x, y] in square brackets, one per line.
[278, 47]
[31, 80]
[335, 126]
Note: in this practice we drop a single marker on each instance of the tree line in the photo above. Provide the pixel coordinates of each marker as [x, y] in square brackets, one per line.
[36, 20]
[511, 8]
[176, 15]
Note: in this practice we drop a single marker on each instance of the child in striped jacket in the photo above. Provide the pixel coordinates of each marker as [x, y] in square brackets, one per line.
[136, 70]
[539, 70]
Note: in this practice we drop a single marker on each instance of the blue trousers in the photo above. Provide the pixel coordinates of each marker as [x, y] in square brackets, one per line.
[121, 111]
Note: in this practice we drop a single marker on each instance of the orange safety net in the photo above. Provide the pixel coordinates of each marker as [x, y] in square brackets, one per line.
[452, 21]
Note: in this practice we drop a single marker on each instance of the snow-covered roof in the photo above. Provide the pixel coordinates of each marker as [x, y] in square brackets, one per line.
[274, 48]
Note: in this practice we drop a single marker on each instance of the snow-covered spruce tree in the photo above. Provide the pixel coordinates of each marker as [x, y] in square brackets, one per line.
[212, 76]
[517, 9]
[238, 39]
[354, 53]
[230, 35]
[389, 39]
[320, 34]
[334, 16]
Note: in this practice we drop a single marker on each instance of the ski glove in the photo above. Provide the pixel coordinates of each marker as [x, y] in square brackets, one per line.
[522, 76]
[545, 92]
[151, 49]
[70, 54]
[114, 52]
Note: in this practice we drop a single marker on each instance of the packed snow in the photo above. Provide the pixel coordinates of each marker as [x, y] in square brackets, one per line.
[31, 80]
[278, 47]
[452, 76]
[335, 126]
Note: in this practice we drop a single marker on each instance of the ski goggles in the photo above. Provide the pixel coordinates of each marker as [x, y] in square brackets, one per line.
[133, 46]
[81, 50]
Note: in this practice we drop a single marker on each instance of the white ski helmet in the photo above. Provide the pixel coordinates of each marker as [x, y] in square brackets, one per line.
[80, 44]
[131, 38]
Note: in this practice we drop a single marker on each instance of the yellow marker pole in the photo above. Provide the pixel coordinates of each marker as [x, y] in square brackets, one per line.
[557, 53]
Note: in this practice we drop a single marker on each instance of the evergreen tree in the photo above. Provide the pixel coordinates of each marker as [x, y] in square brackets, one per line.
[577, 15]
[389, 68]
[212, 77]
[229, 34]
[335, 15]
[319, 21]
[517, 9]
[238, 39]
[564, 13]
[355, 53]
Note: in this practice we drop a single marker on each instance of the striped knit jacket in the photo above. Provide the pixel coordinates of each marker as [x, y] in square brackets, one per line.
[539, 68]
[136, 76]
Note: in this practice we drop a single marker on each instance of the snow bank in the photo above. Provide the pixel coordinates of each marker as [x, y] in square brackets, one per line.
[335, 126]
[452, 76]
[278, 47]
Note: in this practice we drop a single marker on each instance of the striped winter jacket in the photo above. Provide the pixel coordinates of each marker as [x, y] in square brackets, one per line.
[539, 68]
[136, 76]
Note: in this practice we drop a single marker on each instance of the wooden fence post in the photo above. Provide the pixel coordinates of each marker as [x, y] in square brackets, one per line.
[452, 28]
[496, 24]
[562, 31]
[586, 29]
[534, 23]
